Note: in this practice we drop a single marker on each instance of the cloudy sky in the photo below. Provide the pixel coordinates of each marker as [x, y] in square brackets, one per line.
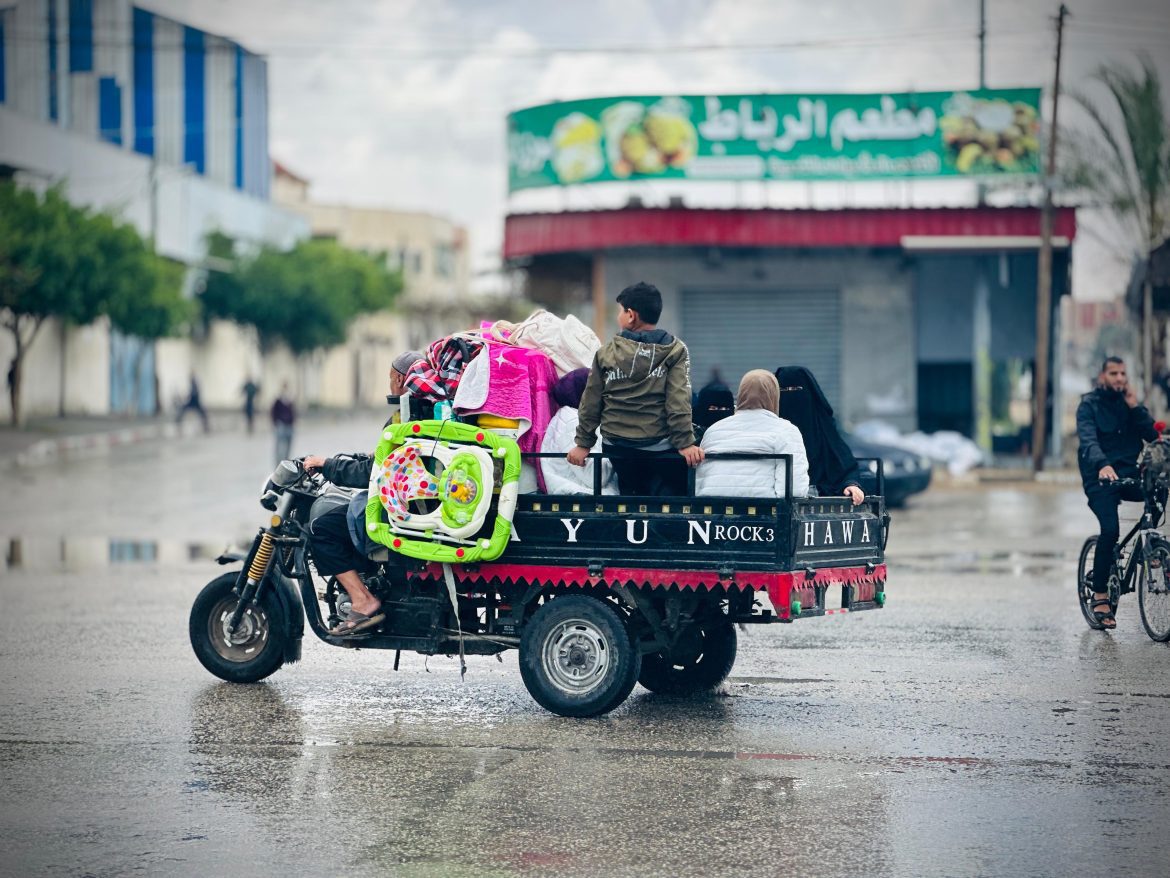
[401, 103]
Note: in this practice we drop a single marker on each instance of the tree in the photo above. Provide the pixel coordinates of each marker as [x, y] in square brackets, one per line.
[58, 260]
[1127, 168]
[144, 297]
[305, 297]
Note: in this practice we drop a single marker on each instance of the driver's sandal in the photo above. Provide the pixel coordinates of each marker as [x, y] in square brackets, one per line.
[1104, 619]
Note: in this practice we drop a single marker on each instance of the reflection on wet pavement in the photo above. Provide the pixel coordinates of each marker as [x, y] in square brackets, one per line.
[1012, 563]
[512, 808]
[972, 727]
[88, 553]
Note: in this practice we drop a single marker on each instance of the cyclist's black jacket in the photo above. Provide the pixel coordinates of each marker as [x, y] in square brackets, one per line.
[1110, 432]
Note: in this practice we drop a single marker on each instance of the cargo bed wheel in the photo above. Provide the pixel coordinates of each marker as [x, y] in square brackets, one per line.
[577, 657]
[701, 660]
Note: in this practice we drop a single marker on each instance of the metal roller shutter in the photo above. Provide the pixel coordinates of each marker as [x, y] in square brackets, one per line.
[735, 332]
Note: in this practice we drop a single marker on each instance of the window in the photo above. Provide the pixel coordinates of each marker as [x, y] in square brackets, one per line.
[444, 260]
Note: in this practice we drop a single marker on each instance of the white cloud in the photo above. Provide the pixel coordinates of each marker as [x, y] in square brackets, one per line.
[361, 110]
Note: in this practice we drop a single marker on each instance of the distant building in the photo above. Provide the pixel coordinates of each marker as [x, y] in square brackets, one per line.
[140, 82]
[166, 126]
[432, 253]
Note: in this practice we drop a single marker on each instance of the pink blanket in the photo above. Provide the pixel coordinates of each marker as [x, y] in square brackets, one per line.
[511, 382]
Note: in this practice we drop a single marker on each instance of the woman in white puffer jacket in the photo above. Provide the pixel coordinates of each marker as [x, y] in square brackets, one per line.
[754, 428]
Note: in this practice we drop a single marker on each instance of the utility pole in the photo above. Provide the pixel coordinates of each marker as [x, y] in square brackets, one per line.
[981, 366]
[983, 43]
[154, 203]
[1044, 284]
[980, 188]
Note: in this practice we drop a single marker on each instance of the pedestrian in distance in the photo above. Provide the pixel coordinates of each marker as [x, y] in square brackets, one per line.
[639, 395]
[194, 404]
[1111, 426]
[12, 385]
[250, 390]
[284, 417]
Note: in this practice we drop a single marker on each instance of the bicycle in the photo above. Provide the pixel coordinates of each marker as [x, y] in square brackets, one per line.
[1148, 562]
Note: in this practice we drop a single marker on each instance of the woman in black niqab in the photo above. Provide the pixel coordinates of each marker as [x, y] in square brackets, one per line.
[831, 465]
[715, 402]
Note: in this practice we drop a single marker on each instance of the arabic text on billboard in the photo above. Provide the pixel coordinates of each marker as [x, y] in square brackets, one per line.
[990, 132]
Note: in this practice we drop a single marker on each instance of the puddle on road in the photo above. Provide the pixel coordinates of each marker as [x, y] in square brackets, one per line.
[1000, 562]
[88, 553]
[762, 681]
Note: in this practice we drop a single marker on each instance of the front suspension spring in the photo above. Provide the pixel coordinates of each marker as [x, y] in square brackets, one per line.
[262, 558]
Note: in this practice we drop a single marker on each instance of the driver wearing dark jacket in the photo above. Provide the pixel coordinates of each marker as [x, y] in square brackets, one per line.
[335, 541]
[1111, 427]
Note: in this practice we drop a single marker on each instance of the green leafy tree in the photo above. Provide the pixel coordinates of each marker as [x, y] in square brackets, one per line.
[62, 261]
[1126, 167]
[305, 297]
[143, 297]
[222, 295]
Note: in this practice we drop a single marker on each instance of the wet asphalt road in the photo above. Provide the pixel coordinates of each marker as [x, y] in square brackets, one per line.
[972, 727]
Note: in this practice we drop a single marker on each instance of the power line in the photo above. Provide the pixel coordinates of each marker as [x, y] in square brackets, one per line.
[389, 52]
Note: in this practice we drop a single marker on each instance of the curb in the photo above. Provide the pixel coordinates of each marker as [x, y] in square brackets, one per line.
[48, 450]
[92, 444]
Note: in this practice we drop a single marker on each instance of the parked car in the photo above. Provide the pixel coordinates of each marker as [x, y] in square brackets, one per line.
[905, 472]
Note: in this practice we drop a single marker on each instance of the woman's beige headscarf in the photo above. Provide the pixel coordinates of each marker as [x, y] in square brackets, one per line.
[758, 389]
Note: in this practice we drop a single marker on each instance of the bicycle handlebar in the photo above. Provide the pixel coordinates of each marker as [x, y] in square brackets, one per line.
[1120, 483]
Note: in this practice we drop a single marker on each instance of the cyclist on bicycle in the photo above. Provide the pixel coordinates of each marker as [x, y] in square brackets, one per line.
[1111, 427]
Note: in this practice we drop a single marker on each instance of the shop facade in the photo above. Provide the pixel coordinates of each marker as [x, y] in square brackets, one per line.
[924, 318]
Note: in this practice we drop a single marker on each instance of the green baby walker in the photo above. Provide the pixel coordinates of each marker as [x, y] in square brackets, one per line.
[451, 465]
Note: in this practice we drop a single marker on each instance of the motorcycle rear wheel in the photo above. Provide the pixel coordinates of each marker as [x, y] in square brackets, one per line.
[255, 651]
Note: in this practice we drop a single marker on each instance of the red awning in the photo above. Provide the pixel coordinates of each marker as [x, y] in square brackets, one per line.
[586, 231]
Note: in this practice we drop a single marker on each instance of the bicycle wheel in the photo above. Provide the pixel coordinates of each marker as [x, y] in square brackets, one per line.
[1154, 591]
[1085, 583]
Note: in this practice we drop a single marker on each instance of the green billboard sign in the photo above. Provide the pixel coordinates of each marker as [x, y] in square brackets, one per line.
[987, 132]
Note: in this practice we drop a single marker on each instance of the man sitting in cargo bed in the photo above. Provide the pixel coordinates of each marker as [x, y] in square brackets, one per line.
[639, 395]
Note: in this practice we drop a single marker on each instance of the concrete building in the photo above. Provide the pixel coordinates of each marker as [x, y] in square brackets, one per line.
[164, 125]
[146, 84]
[431, 252]
[914, 316]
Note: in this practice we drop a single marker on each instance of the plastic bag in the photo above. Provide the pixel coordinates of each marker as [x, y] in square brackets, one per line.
[568, 342]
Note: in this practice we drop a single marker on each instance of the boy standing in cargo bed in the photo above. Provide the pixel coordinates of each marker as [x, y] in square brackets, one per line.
[639, 394]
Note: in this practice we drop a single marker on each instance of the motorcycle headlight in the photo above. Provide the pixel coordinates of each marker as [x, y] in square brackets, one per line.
[287, 473]
[925, 463]
[872, 466]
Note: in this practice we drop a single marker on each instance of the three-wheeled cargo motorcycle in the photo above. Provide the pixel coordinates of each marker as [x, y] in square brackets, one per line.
[597, 592]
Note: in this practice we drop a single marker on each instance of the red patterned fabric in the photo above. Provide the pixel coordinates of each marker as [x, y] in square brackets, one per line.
[436, 377]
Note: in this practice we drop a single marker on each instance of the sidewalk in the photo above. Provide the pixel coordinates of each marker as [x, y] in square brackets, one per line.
[44, 440]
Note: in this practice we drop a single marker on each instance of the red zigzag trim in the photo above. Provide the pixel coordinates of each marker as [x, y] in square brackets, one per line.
[782, 588]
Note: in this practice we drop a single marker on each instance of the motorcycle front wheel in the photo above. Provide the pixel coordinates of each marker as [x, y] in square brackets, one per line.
[256, 648]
